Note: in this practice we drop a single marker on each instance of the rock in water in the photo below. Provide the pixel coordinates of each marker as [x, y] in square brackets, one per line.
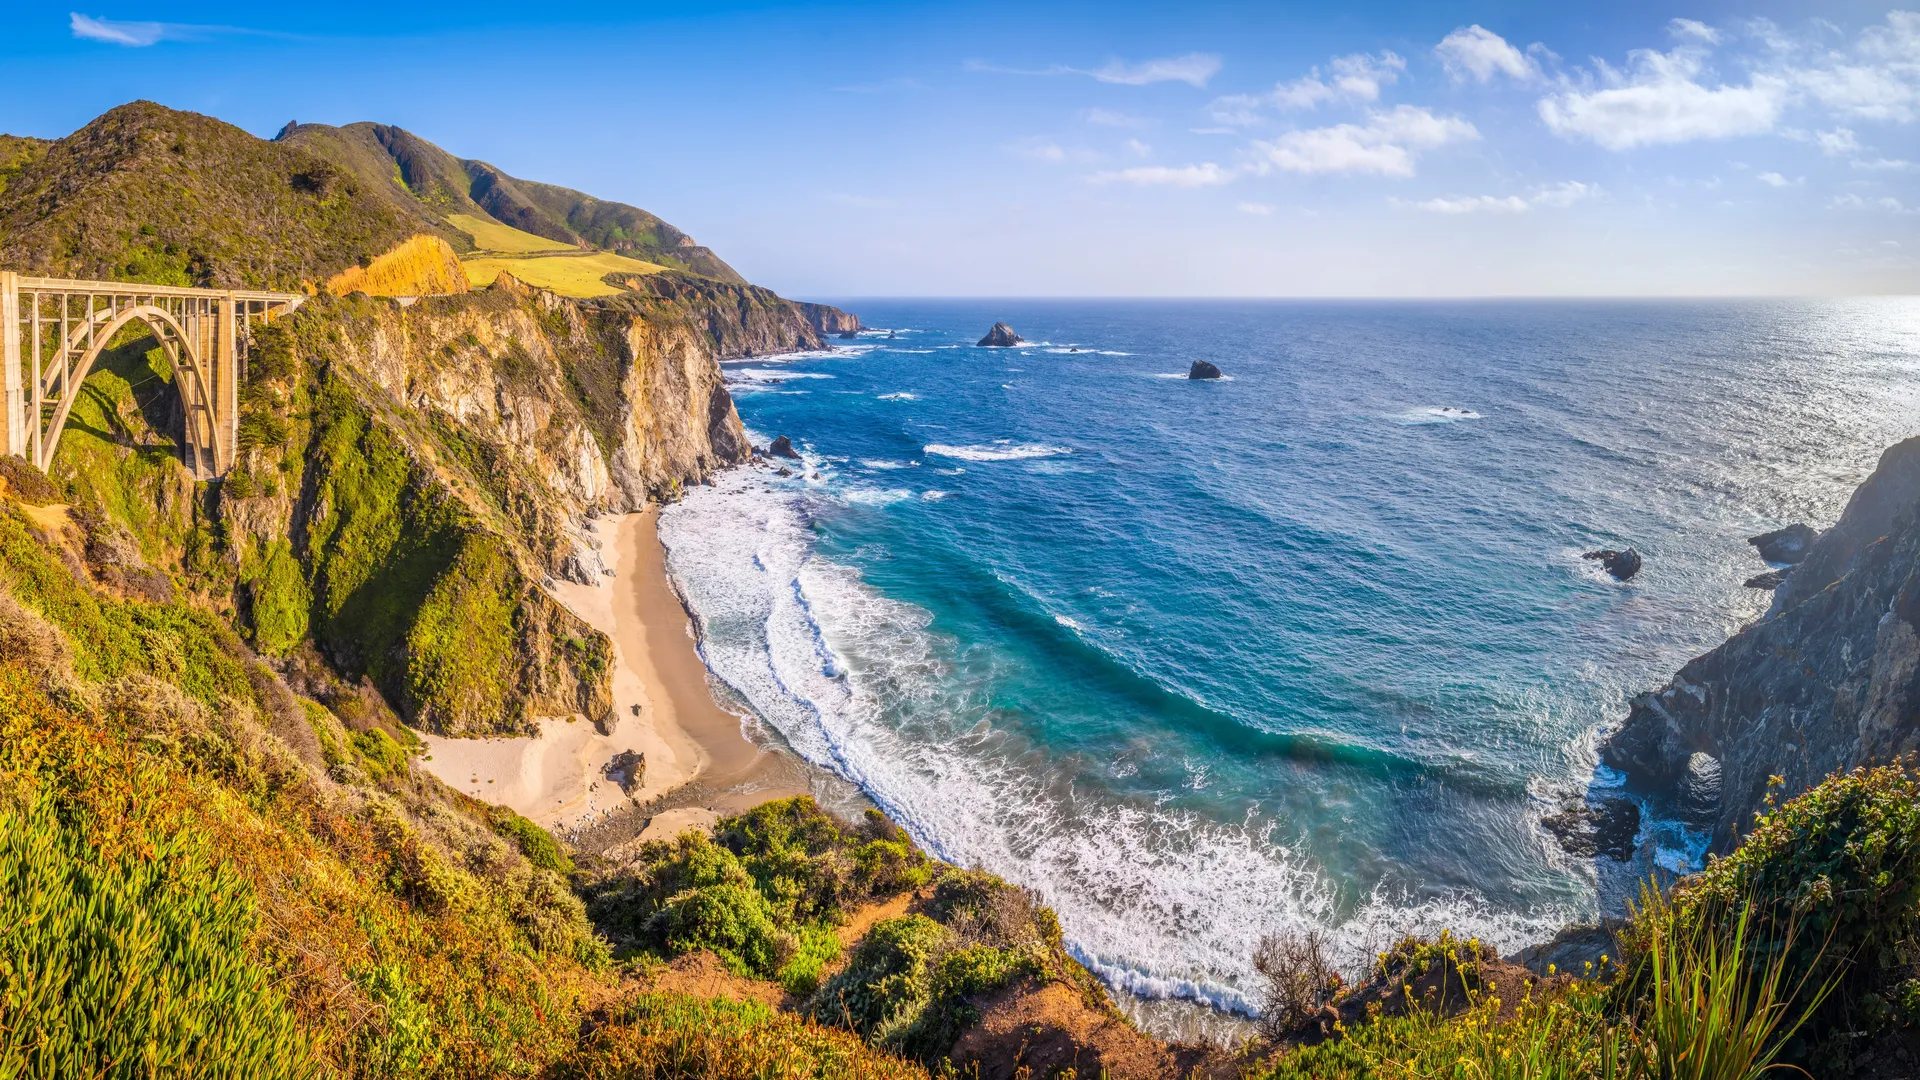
[849, 335]
[1772, 579]
[1786, 546]
[1203, 370]
[783, 447]
[1621, 564]
[1002, 336]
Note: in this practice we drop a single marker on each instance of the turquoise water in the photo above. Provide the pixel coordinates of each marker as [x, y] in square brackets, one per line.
[1309, 647]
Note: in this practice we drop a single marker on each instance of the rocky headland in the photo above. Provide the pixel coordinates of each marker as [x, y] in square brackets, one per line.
[1827, 680]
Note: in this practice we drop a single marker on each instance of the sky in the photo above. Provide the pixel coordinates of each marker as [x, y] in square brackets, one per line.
[1443, 148]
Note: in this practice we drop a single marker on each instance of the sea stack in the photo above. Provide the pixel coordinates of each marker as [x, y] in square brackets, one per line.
[1203, 370]
[1002, 336]
[1621, 564]
[783, 447]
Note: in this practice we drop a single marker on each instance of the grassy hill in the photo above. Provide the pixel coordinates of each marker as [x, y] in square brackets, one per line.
[146, 193]
[415, 175]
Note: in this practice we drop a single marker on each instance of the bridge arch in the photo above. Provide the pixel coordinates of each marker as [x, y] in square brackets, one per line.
[201, 442]
[53, 330]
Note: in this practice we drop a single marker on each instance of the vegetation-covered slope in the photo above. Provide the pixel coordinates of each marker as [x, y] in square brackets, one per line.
[146, 193]
[414, 174]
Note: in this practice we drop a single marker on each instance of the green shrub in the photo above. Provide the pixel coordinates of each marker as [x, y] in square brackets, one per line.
[1551, 1037]
[730, 920]
[536, 843]
[1830, 881]
[132, 962]
[815, 948]
[888, 980]
[279, 601]
[379, 754]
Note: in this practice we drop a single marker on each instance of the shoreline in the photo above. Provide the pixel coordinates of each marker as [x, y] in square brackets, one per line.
[699, 760]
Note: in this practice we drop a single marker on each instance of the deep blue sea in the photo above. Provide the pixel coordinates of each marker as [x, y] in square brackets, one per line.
[1309, 647]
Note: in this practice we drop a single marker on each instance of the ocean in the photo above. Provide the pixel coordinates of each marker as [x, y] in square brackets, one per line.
[1308, 648]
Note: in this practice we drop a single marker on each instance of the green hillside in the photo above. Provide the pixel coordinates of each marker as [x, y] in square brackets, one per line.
[414, 174]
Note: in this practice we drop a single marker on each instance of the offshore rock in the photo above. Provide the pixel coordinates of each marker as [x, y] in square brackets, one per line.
[1772, 579]
[1203, 370]
[1621, 564]
[849, 335]
[783, 447]
[1828, 680]
[1001, 336]
[1607, 827]
[1785, 546]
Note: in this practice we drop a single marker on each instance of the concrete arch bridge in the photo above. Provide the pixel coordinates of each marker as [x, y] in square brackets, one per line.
[52, 330]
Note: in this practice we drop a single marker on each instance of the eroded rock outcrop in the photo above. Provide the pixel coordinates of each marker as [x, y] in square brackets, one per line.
[1621, 564]
[1201, 369]
[1829, 679]
[1785, 546]
[1001, 337]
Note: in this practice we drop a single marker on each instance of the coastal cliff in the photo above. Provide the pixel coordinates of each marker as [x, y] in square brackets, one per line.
[1829, 679]
[409, 474]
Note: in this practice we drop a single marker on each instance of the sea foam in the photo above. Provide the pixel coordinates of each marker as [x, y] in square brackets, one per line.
[1155, 899]
[998, 451]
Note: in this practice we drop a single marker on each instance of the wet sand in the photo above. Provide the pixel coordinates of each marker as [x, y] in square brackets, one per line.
[697, 754]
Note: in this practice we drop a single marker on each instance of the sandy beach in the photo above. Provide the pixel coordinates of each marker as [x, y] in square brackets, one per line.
[557, 778]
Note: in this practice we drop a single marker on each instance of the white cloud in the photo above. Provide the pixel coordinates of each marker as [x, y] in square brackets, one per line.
[1112, 118]
[1236, 110]
[1469, 204]
[1478, 53]
[1193, 69]
[1257, 209]
[1038, 150]
[1837, 142]
[1349, 78]
[1878, 80]
[1213, 131]
[1774, 179]
[1850, 201]
[1694, 29]
[1139, 148]
[1385, 145]
[1886, 165]
[1182, 176]
[134, 34]
[1558, 197]
[1662, 101]
[1565, 194]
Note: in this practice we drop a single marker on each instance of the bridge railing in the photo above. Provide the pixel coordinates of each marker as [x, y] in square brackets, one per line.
[53, 329]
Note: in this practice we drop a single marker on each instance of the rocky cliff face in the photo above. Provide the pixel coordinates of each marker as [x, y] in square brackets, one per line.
[409, 475]
[1829, 679]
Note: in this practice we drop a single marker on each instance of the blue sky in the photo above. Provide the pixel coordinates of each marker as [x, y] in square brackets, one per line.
[1399, 149]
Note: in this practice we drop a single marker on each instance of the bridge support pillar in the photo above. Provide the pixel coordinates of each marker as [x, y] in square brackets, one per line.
[13, 398]
[226, 382]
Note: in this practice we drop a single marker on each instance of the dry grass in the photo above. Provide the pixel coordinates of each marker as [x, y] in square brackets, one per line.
[490, 235]
[422, 265]
[568, 275]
